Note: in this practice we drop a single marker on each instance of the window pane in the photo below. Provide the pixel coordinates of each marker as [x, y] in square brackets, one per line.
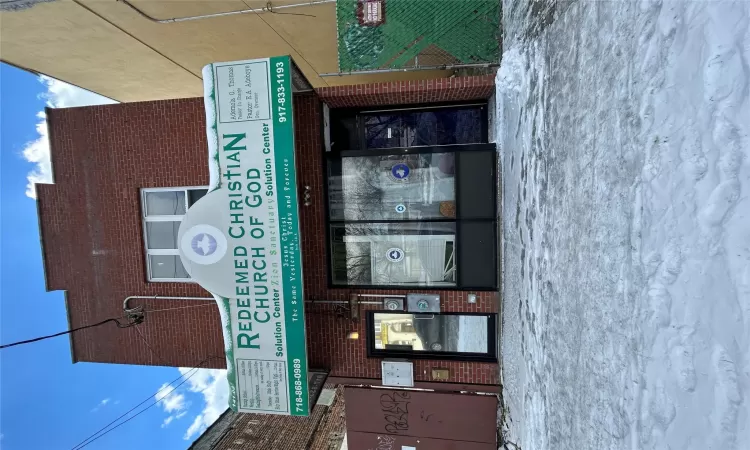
[162, 235]
[195, 194]
[413, 187]
[431, 332]
[167, 266]
[440, 126]
[165, 203]
[385, 131]
[404, 254]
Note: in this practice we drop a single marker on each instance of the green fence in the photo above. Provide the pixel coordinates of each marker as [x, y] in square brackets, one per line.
[398, 34]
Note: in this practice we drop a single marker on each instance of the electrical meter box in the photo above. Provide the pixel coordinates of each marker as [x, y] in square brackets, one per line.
[423, 303]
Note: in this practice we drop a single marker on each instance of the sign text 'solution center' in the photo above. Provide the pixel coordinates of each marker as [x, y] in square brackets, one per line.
[241, 241]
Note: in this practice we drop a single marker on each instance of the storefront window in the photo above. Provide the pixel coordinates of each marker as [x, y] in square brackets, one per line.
[412, 128]
[394, 254]
[392, 187]
[442, 336]
[411, 198]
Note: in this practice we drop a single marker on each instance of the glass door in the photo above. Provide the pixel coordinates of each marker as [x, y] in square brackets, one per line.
[440, 336]
[394, 209]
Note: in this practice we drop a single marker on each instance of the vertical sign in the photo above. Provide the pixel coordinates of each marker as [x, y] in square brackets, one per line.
[241, 241]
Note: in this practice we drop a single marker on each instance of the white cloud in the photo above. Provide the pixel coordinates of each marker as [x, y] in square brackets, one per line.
[167, 421]
[171, 400]
[58, 95]
[101, 404]
[212, 383]
[174, 403]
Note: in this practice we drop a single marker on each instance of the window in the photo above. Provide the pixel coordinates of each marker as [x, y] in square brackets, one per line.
[392, 187]
[411, 196]
[163, 210]
[467, 337]
[394, 254]
[413, 128]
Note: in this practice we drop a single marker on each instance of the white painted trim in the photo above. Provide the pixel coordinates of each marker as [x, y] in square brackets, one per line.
[163, 218]
[162, 251]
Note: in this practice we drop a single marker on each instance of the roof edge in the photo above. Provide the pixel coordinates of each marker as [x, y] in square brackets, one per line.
[39, 221]
[73, 357]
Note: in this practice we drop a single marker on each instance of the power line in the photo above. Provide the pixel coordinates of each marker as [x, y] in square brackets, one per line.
[132, 320]
[91, 438]
[284, 39]
[134, 316]
[153, 352]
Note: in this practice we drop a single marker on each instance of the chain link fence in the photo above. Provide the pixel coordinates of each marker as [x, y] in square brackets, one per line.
[397, 35]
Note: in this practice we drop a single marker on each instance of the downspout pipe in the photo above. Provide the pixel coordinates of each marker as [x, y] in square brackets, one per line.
[159, 297]
[263, 9]
[323, 302]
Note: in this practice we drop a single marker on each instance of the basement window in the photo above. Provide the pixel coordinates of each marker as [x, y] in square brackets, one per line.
[162, 212]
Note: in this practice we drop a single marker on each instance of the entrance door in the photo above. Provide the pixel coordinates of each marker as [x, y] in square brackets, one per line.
[412, 199]
[397, 419]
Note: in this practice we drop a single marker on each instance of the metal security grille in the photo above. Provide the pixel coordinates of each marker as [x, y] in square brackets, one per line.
[403, 34]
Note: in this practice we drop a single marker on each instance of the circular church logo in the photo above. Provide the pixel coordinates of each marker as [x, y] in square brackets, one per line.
[394, 254]
[204, 244]
[400, 171]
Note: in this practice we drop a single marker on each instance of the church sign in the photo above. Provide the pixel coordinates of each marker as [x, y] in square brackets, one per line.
[241, 241]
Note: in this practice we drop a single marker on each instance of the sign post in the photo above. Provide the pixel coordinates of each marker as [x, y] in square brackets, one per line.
[241, 241]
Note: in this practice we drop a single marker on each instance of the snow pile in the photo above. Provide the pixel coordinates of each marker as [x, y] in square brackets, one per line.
[212, 136]
[509, 78]
[626, 228]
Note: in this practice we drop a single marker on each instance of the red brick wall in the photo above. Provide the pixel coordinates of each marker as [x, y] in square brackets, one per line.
[92, 232]
[405, 92]
[93, 247]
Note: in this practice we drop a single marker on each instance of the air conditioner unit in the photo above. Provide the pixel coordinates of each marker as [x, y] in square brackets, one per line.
[394, 304]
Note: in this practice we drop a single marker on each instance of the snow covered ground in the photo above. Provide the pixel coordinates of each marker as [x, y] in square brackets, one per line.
[624, 133]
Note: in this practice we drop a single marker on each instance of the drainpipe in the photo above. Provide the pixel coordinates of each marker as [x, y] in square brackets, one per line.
[263, 9]
[157, 297]
[322, 302]
[338, 302]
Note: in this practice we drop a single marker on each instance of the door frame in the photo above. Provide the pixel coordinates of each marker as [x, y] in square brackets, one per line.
[491, 355]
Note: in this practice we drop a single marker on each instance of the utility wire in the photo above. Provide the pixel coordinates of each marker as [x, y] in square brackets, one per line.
[131, 322]
[153, 352]
[260, 16]
[92, 438]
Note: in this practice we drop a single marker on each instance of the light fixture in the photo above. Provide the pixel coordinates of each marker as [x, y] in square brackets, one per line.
[353, 335]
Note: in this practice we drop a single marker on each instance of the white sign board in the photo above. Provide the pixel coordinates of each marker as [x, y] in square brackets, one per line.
[241, 241]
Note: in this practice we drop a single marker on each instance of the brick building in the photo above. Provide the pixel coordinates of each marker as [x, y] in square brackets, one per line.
[125, 173]
[324, 429]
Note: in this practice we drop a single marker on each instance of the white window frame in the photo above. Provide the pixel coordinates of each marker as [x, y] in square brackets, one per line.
[162, 218]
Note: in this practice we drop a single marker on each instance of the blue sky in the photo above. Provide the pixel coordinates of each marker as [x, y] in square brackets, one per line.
[39, 386]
